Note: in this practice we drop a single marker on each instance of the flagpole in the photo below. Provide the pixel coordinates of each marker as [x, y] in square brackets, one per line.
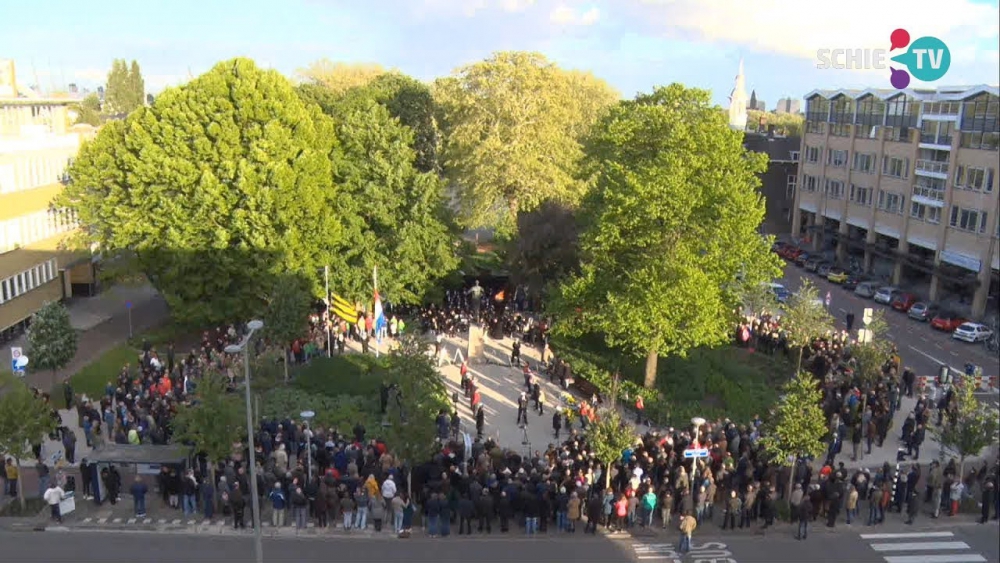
[329, 313]
[378, 333]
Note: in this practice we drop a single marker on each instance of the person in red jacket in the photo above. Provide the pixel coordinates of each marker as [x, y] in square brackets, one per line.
[639, 407]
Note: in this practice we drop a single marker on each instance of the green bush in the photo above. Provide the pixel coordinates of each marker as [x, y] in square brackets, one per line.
[341, 412]
[351, 374]
[710, 382]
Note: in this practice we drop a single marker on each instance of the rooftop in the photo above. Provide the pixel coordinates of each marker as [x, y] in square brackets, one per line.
[940, 94]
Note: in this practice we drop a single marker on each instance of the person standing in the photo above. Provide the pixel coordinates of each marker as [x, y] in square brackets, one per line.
[988, 500]
[43, 477]
[556, 423]
[53, 497]
[850, 321]
[804, 516]
[238, 505]
[687, 527]
[515, 353]
[139, 490]
[278, 504]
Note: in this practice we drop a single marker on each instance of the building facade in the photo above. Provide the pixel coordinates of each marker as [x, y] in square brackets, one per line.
[787, 105]
[738, 102]
[36, 266]
[777, 183]
[902, 184]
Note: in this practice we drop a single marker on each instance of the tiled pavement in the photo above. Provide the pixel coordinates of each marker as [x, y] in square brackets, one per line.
[201, 525]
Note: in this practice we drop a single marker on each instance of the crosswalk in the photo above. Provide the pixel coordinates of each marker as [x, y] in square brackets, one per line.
[925, 547]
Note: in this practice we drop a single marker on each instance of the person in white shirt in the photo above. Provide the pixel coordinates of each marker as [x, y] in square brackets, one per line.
[388, 489]
[53, 496]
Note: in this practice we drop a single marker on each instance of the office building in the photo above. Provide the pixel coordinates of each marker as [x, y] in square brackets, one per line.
[787, 105]
[37, 142]
[902, 183]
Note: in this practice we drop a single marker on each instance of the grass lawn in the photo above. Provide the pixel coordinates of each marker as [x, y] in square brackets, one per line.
[92, 379]
[710, 382]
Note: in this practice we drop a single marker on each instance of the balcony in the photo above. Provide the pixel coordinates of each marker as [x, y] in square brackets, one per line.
[932, 169]
[935, 142]
[929, 193]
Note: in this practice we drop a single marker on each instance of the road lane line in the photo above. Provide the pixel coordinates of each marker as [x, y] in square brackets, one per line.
[957, 558]
[907, 536]
[920, 546]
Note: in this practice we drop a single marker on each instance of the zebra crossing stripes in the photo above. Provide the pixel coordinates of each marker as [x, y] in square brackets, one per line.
[933, 543]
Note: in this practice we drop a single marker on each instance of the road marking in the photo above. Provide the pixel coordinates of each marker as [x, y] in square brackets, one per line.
[842, 310]
[162, 521]
[923, 339]
[102, 521]
[959, 558]
[954, 353]
[919, 546]
[190, 522]
[147, 521]
[176, 521]
[116, 521]
[131, 520]
[907, 536]
[85, 520]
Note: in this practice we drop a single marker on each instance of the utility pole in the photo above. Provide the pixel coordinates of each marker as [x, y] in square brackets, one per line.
[329, 315]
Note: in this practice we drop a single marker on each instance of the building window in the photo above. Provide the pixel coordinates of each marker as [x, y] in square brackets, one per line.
[861, 195]
[864, 162]
[809, 183]
[975, 179]
[840, 130]
[891, 202]
[34, 227]
[815, 127]
[812, 154]
[834, 189]
[794, 155]
[971, 220]
[976, 140]
[790, 186]
[896, 167]
[927, 213]
[836, 158]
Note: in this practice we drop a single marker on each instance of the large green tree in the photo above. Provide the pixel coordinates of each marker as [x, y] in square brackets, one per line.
[52, 340]
[805, 318]
[24, 420]
[797, 426]
[125, 90]
[511, 134]
[411, 102]
[218, 189]
[88, 111]
[546, 248]
[973, 426]
[671, 222]
[340, 77]
[394, 216]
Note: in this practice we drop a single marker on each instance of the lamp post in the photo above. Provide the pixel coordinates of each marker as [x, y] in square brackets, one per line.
[307, 416]
[698, 422]
[254, 326]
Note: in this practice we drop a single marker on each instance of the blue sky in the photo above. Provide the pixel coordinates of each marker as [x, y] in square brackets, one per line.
[633, 44]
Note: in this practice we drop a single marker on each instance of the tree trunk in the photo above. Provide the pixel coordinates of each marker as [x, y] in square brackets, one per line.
[607, 476]
[798, 365]
[20, 485]
[649, 379]
[285, 352]
[788, 493]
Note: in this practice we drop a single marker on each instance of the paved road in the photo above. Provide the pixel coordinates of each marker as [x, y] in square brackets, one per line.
[87, 547]
[921, 347]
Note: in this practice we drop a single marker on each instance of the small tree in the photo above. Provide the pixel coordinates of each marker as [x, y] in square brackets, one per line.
[871, 354]
[805, 319]
[51, 339]
[798, 426]
[24, 420]
[609, 436]
[975, 426]
[286, 316]
[757, 298]
[213, 421]
[421, 395]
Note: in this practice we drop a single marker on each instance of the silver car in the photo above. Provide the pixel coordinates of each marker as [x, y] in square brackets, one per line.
[885, 295]
[866, 289]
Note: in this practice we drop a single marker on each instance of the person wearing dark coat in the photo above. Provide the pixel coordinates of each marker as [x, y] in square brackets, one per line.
[912, 506]
[466, 510]
[594, 507]
[506, 511]
[988, 500]
[484, 510]
[804, 516]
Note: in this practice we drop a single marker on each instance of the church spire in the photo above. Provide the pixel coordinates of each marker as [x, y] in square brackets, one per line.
[738, 102]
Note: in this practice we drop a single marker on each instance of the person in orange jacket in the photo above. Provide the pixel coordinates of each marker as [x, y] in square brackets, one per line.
[639, 407]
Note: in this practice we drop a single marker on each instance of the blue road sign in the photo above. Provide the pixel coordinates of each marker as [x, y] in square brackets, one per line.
[695, 453]
[128, 304]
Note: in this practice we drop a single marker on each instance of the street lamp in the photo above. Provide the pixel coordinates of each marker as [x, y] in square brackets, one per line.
[698, 422]
[253, 327]
[307, 416]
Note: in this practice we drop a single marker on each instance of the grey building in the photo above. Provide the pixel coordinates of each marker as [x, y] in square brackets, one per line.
[788, 105]
[779, 180]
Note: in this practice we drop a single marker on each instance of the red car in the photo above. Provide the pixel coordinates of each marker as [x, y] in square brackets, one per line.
[904, 301]
[947, 321]
[791, 253]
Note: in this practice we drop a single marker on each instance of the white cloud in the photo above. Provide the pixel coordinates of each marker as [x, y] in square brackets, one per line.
[787, 27]
[564, 15]
[516, 5]
[470, 8]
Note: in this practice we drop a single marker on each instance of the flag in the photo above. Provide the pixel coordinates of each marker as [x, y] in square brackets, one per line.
[378, 314]
[499, 296]
[343, 309]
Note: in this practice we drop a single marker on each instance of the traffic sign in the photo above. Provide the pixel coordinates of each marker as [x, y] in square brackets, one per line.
[128, 304]
[867, 316]
[15, 355]
[695, 453]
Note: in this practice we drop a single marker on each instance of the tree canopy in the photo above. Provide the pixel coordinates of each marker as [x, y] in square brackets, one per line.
[609, 436]
[788, 124]
[126, 89]
[340, 77]
[798, 426]
[971, 426]
[546, 248]
[213, 421]
[805, 318]
[512, 128]
[52, 341]
[670, 223]
[24, 420]
[220, 187]
[394, 216]
[422, 394]
[88, 111]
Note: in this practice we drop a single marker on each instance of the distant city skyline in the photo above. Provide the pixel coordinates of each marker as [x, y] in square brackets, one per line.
[633, 44]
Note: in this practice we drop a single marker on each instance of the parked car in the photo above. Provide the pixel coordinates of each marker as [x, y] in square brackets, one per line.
[852, 280]
[781, 293]
[903, 301]
[823, 270]
[792, 253]
[801, 259]
[836, 275]
[813, 263]
[947, 321]
[972, 332]
[923, 312]
[886, 294]
[866, 289]
[778, 247]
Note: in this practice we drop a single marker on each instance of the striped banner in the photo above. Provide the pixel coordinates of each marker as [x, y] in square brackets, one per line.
[343, 309]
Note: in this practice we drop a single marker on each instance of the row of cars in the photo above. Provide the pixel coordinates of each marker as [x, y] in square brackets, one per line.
[939, 318]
